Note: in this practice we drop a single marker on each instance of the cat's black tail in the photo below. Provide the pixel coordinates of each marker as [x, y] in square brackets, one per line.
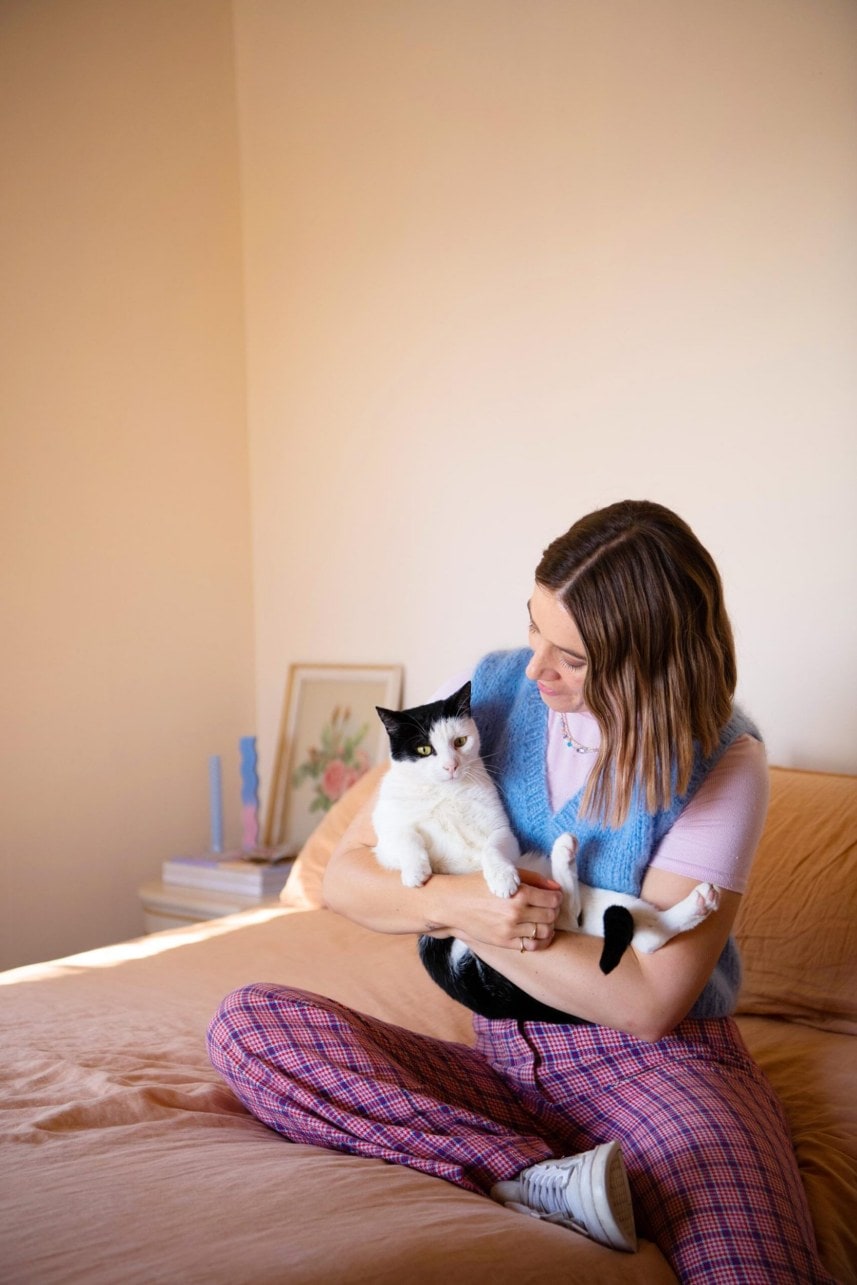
[618, 933]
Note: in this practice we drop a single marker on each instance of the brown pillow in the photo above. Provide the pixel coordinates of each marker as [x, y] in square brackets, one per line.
[797, 924]
[303, 887]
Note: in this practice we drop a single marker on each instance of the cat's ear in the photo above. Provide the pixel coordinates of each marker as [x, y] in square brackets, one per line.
[389, 718]
[460, 701]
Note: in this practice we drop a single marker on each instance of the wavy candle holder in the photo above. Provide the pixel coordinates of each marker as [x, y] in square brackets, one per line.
[249, 793]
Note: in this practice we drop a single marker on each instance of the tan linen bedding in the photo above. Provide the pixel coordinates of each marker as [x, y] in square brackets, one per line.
[124, 1158]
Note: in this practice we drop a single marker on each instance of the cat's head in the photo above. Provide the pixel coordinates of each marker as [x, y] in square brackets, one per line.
[439, 740]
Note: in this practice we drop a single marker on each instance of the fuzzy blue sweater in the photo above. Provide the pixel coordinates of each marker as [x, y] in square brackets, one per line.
[512, 719]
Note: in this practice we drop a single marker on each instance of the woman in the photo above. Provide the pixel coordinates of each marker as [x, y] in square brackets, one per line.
[618, 725]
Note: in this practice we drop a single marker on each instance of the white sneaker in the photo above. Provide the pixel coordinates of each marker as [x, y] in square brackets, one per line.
[588, 1193]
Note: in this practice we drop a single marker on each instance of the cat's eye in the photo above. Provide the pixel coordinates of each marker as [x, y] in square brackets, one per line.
[424, 750]
[460, 742]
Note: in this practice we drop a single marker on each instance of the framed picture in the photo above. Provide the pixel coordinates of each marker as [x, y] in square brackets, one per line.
[329, 736]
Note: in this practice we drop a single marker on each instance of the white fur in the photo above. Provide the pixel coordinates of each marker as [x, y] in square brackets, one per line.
[583, 907]
[442, 815]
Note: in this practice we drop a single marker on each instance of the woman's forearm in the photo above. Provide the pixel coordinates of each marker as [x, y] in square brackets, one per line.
[565, 975]
[645, 996]
[356, 886]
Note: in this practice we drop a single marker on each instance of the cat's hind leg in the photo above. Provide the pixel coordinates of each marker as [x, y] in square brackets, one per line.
[659, 927]
[564, 871]
[701, 902]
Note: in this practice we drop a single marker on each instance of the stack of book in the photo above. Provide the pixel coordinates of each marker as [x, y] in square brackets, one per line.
[260, 873]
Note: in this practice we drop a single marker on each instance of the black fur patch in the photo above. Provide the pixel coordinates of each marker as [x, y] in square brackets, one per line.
[482, 989]
[409, 728]
[618, 934]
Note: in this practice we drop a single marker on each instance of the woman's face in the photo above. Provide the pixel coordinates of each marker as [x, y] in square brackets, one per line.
[558, 663]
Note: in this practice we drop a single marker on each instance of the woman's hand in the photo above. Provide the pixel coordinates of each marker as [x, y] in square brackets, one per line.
[525, 921]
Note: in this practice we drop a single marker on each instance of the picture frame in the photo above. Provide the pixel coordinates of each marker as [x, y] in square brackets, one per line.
[330, 735]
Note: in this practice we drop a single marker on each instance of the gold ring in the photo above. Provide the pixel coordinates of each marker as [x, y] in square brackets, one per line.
[523, 947]
[533, 934]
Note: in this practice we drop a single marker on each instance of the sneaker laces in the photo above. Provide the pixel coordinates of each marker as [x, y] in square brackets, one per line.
[587, 1192]
[552, 1190]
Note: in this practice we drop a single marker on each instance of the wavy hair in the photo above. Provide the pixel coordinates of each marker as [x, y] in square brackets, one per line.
[647, 600]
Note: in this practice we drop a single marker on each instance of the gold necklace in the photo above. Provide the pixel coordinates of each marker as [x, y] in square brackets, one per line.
[570, 741]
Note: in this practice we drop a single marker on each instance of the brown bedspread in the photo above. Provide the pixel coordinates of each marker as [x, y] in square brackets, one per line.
[124, 1158]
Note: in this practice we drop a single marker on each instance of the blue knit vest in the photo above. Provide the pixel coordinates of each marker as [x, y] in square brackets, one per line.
[513, 719]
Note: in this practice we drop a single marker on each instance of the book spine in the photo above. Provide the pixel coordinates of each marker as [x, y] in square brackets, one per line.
[249, 885]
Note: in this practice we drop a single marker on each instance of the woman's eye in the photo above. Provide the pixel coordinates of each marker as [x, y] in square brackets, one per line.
[424, 750]
[459, 742]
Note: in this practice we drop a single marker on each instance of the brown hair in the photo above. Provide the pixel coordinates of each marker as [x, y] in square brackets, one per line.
[648, 602]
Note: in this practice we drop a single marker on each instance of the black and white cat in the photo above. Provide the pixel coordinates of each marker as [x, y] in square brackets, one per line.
[438, 811]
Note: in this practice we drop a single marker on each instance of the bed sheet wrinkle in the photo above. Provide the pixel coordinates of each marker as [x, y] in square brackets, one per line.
[129, 1106]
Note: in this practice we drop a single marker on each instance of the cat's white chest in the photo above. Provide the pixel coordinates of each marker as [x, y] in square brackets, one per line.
[455, 827]
[455, 831]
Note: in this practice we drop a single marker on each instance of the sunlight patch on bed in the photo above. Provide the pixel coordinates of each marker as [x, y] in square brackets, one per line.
[139, 947]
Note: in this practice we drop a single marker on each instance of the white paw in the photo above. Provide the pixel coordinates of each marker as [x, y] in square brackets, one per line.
[566, 847]
[564, 856]
[503, 881]
[707, 899]
[415, 876]
[564, 871]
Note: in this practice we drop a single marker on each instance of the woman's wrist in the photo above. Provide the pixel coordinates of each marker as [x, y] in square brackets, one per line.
[356, 886]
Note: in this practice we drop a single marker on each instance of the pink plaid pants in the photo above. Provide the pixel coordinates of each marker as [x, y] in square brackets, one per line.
[709, 1157]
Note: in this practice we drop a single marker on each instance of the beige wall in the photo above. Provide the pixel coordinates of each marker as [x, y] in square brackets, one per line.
[503, 261]
[126, 646]
[509, 261]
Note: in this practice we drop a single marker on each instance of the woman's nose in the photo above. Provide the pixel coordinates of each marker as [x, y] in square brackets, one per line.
[538, 666]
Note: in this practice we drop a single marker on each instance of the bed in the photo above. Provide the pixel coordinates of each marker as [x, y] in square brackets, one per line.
[125, 1157]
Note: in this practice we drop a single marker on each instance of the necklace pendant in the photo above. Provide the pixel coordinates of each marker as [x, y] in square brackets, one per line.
[569, 741]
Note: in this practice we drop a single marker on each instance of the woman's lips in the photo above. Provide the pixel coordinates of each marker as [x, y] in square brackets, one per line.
[545, 690]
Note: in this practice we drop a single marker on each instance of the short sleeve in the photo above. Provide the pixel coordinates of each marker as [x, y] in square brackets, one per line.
[717, 834]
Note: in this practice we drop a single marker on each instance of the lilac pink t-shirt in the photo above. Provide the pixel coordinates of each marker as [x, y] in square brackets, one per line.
[715, 836]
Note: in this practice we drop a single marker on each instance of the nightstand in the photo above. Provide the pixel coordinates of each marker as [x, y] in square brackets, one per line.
[166, 905]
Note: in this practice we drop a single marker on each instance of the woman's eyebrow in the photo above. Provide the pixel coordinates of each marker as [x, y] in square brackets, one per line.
[575, 655]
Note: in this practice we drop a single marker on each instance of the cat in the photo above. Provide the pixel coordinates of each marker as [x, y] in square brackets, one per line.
[438, 811]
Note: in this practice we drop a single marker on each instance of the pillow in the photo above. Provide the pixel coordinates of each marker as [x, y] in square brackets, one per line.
[302, 889]
[797, 924]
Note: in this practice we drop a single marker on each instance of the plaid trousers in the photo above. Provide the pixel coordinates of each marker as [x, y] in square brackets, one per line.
[705, 1141]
